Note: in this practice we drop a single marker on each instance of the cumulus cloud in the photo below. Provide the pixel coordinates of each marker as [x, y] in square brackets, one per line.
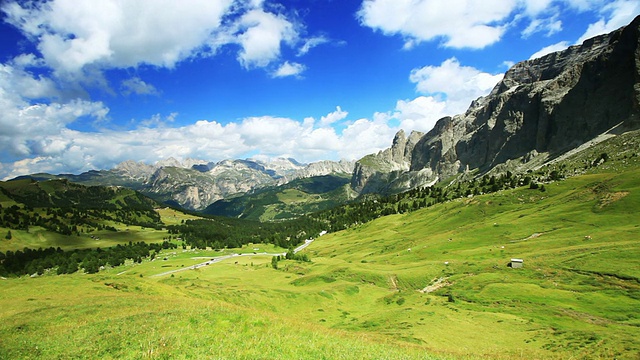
[116, 33]
[39, 136]
[454, 84]
[550, 49]
[289, 69]
[29, 126]
[61, 149]
[479, 23]
[421, 113]
[460, 24]
[79, 39]
[261, 35]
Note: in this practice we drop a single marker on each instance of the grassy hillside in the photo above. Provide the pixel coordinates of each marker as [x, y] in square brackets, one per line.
[427, 284]
[63, 214]
[294, 199]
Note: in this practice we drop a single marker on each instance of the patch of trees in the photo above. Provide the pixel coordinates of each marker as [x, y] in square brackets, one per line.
[220, 232]
[290, 255]
[373, 207]
[30, 261]
[69, 209]
[73, 221]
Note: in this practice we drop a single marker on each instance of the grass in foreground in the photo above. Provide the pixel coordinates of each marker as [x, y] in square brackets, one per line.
[429, 284]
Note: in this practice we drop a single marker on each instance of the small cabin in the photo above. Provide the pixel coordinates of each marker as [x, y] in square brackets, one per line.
[516, 263]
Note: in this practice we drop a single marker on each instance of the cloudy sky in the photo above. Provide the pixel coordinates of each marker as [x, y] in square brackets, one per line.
[88, 84]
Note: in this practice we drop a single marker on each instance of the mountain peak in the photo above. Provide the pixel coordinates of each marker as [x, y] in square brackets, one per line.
[545, 106]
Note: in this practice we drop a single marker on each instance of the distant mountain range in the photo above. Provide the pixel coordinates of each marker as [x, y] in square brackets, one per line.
[542, 110]
[195, 184]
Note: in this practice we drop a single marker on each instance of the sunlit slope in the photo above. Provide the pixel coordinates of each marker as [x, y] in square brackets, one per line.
[438, 278]
[430, 283]
[291, 200]
[109, 317]
[579, 289]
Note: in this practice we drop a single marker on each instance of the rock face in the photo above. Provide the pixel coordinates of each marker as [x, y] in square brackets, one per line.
[375, 172]
[541, 109]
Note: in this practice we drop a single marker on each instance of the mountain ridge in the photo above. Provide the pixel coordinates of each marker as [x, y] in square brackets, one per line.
[195, 184]
[541, 109]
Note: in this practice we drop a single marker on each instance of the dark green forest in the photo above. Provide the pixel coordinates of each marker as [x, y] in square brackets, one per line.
[30, 261]
[71, 209]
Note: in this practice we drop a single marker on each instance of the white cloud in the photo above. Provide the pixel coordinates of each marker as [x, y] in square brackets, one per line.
[535, 7]
[549, 26]
[549, 49]
[478, 23]
[461, 24]
[311, 43]
[65, 150]
[137, 86]
[333, 117]
[613, 16]
[117, 33]
[289, 69]
[366, 136]
[454, 84]
[17, 84]
[157, 120]
[421, 113]
[80, 39]
[261, 35]
[27, 122]
[39, 134]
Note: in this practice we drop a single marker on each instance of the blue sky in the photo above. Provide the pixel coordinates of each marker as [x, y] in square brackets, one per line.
[88, 84]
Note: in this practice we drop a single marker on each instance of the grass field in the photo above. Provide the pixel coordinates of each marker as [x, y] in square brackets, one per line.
[431, 284]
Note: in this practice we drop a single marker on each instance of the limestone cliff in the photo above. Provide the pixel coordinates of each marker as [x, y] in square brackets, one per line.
[541, 109]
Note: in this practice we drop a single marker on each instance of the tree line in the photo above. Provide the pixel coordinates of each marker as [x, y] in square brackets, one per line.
[37, 261]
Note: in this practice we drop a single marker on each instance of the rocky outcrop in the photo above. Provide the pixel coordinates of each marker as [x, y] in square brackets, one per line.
[540, 110]
[134, 170]
[325, 167]
[375, 172]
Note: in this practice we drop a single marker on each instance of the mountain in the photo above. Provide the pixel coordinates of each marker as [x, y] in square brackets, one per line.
[298, 197]
[195, 184]
[543, 108]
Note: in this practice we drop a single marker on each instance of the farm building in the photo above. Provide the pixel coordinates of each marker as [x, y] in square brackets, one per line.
[516, 263]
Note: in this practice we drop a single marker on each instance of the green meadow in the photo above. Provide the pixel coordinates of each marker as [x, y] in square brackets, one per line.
[430, 284]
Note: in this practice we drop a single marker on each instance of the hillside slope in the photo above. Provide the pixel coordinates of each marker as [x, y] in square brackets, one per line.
[431, 283]
[291, 200]
[37, 214]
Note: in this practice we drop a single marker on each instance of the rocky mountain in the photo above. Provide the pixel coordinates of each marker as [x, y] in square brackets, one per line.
[195, 184]
[542, 108]
[293, 199]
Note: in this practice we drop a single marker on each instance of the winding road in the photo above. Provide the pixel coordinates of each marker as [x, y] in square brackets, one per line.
[225, 257]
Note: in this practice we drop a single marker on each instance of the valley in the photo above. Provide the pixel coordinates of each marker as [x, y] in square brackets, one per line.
[426, 284]
[509, 231]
